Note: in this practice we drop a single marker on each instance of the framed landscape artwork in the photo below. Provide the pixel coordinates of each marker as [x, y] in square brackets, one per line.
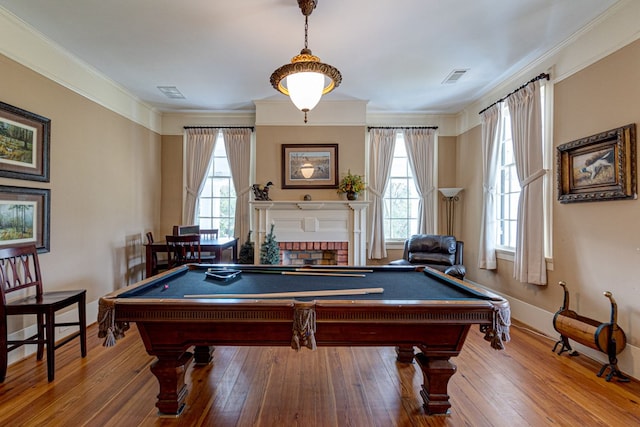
[24, 217]
[309, 165]
[24, 144]
[598, 167]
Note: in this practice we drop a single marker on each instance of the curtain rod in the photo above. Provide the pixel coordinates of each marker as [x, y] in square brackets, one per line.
[402, 127]
[219, 127]
[535, 79]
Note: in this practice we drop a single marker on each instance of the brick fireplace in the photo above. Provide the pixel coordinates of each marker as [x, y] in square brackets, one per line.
[314, 253]
[336, 228]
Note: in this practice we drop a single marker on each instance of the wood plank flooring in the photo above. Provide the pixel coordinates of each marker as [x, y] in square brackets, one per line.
[525, 385]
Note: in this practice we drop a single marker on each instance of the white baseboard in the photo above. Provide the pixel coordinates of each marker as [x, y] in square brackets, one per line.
[542, 321]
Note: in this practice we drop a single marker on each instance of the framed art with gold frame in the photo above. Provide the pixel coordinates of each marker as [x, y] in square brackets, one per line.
[598, 167]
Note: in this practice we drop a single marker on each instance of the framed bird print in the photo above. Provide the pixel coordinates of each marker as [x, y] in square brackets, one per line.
[598, 167]
[309, 165]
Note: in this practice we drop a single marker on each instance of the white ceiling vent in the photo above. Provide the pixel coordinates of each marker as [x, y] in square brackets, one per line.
[454, 76]
[171, 92]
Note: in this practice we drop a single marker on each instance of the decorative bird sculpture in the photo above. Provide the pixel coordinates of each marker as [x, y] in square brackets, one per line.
[261, 192]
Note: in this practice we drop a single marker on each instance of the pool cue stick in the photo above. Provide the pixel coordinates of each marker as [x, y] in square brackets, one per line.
[313, 273]
[305, 271]
[294, 294]
[331, 270]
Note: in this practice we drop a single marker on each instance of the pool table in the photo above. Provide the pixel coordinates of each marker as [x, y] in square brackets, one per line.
[400, 306]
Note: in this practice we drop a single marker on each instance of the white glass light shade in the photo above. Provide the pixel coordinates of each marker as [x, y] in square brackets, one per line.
[305, 89]
[450, 192]
[307, 170]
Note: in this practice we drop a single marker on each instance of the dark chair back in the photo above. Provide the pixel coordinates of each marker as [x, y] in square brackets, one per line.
[441, 252]
[19, 269]
[183, 249]
[156, 264]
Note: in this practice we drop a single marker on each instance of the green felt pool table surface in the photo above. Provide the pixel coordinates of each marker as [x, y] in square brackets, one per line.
[398, 283]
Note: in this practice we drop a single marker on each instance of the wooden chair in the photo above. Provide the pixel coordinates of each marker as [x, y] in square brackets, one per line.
[209, 234]
[156, 264]
[20, 271]
[183, 249]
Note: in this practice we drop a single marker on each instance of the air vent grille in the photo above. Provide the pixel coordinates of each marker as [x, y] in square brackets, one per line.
[454, 76]
[171, 92]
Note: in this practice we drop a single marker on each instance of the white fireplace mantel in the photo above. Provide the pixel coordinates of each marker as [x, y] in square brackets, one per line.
[316, 221]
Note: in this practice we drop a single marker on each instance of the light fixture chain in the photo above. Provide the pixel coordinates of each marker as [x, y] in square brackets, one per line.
[306, 31]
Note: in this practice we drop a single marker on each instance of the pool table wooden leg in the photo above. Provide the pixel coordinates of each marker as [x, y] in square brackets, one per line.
[436, 373]
[170, 369]
[203, 354]
[404, 354]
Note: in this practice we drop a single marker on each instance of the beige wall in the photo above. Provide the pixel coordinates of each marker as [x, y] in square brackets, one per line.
[447, 150]
[105, 185]
[269, 139]
[596, 245]
[351, 142]
[172, 175]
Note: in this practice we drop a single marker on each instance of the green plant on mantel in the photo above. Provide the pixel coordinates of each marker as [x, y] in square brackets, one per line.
[351, 184]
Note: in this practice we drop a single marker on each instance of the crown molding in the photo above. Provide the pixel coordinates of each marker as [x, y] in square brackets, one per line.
[25, 45]
[609, 32]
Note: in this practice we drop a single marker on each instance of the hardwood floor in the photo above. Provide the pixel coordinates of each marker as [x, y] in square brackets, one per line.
[525, 385]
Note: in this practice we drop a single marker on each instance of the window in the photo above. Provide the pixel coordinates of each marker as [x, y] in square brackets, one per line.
[508, 186]
[401, 197]
[217, 201]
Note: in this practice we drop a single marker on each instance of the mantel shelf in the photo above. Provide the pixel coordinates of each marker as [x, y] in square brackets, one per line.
[310, 205]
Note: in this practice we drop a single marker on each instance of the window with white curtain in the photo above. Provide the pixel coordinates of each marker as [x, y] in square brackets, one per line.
[401, 197]
[508, 186]
[217, 201]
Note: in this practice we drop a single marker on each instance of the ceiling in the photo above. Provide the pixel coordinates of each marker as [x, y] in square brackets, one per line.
[394, 54]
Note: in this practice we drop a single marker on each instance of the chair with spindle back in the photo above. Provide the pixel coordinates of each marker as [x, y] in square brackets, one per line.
[208, 234]
[183, 249]
[20, 271]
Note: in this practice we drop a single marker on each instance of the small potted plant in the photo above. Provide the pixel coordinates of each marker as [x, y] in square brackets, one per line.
[352, 185]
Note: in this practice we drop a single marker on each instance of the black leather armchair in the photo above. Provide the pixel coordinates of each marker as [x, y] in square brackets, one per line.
[443, 253]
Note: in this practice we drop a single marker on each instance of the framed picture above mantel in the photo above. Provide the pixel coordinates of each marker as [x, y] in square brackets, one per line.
[24, 144]
[309, 166]
[598, 167]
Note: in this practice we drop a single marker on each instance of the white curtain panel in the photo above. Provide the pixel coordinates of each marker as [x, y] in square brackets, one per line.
[381, 155]
[420, 145]
[526, 126]
[199, 147]
[237, 143]
[490, 119]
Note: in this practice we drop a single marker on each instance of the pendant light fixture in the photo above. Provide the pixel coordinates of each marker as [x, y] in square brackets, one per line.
[306, 79]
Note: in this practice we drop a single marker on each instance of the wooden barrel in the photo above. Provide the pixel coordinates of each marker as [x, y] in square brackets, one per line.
[588, 332]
